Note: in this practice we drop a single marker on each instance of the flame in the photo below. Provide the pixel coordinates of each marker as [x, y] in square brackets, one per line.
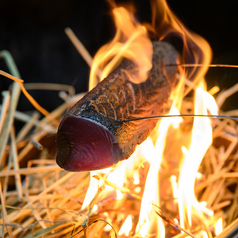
[170, 150]
[195, 49]
[131, 42]
[149, 223]
[126, 227]
[200, 142]
[218, 226]
[174, 184]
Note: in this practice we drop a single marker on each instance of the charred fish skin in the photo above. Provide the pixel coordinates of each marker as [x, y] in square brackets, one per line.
[86, 146]
[113, 100]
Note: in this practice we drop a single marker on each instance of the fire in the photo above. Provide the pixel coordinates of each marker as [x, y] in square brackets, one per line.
[200, 142]
[126, 227]
[131, 41]
[172, 151]
[218, 227]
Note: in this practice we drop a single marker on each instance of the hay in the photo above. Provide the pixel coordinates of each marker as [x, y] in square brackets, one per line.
[41, 199]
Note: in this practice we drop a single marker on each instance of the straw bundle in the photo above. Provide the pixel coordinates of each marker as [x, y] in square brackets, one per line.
[39, 198]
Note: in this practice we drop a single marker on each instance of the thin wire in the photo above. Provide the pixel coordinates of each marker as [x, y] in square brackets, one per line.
[181, 115]
[171, 222]
[201, 65]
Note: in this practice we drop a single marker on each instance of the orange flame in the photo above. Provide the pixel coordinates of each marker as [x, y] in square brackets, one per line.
[170, 148]
[131, 41]
[195, 48]
[200, 142]
[126, 227]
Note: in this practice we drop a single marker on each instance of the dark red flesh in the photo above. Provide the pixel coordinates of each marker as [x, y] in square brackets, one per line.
[85, 145]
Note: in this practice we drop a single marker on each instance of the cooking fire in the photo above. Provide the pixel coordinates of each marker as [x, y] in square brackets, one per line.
[122, 170]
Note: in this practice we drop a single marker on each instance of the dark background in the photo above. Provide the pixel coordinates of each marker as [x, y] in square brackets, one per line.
[33, 31]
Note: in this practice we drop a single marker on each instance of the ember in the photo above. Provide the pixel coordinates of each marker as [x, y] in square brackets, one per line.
[181, 181]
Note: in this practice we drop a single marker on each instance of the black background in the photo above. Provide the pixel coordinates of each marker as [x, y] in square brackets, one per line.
[33, 31]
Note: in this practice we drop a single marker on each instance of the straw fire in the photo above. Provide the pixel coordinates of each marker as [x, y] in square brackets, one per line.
[181, 178]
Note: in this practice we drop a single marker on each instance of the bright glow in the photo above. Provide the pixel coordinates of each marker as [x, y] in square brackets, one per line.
[95, 208]
[107, 228]
[92, 190]
[176, 120]
[210, 101]
[200, 142]
[204, 234]
[143, 229]
[198, 175]
[147, 149]
[119, 194]
[126, 227]
[173, 180]
[118, 175]
[136, 177]
[218, 226]
[149, 222]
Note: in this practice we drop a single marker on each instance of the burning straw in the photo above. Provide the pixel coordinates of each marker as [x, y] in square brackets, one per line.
[41, 199]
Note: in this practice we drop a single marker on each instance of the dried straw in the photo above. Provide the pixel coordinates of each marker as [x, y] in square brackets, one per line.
[48, 201]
